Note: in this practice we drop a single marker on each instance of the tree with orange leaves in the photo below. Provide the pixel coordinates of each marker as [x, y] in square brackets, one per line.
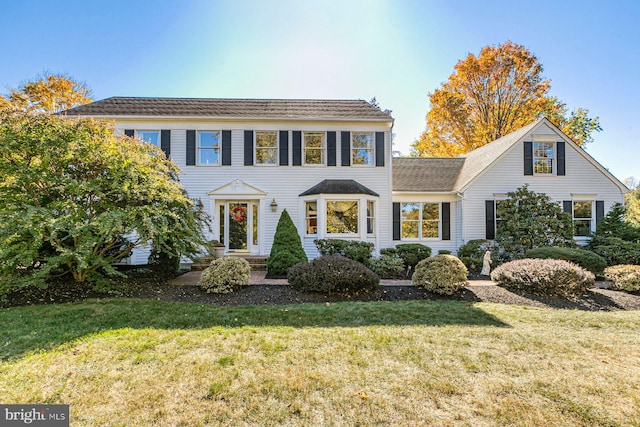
[50, 93]
[490, 95]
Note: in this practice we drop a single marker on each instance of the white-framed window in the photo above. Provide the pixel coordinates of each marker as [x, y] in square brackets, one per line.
[342, 216]
[371, 216]
[362, 148]
[314, 148]
[266, 151]
[209, 148]
[543, 158]
[149, 136]
[311, 217]
[582, 217]
[420, 220]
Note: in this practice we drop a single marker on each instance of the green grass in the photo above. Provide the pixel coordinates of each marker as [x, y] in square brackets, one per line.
[134, 362]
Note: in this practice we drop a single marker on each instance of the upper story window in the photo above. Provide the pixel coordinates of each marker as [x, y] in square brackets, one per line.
[362, 148]
[543, 158]
[314, 148]
[266, 148]
[150, 136]
[582, 217]
[209, 148]
[342, 216]
[420, 220]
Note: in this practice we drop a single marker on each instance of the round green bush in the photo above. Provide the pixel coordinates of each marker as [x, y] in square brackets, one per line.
[387, 267]
[615, 250]
[584, 258]
[625, 277]
[226, 274]
[332, 274]
[544, 277]
[412, 253]
[441, 274]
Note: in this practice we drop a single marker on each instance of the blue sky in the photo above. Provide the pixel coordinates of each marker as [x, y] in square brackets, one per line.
[396, 50]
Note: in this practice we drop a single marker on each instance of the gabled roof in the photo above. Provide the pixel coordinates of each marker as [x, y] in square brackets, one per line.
[426, 174]
[309, 109]
[339, 186]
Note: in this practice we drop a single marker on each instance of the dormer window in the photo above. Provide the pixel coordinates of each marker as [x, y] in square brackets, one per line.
[543, 158]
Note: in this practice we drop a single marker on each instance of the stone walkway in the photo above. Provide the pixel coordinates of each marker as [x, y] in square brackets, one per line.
[258, 278]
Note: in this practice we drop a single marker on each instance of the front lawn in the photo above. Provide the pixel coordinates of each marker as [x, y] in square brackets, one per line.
[143, 362]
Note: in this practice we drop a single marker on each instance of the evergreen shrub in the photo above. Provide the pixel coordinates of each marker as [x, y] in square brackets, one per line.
[286, 250]
[441, 274]
[332, 274]
[352, 249]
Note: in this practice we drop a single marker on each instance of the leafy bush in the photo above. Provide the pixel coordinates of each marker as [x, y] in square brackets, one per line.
[163, 261]
[352, 249]
[444, 252]
[473, 248]
[332, 274]
[442, 274]
[387, 266]
[615, 251]
[287, 248]
[545, 277]
[412, 254]
[389, 251]
[472, 254]
[625, 277]
[474, 265]
[224, 275]
[584, 258]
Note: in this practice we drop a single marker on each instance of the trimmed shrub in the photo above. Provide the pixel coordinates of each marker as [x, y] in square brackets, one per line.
[625, 277]
[584, 258]
[224, 275]
[474, 248]
[287, 248]
[412, 254]
[545, 277]
[332, 274]
[472, 254]
[163, 262]
[442, 274]
[387, 266]
[444, 252]
[616, 251]
[474, 265]
[352, 249]
[389, 251]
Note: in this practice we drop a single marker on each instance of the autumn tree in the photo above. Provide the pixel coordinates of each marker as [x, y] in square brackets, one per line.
[49, 93]
[490, 95]
[75, 197]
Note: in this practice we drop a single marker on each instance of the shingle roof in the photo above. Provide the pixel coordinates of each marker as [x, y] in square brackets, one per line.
[233, 108]
[425, 174]
[339, 186]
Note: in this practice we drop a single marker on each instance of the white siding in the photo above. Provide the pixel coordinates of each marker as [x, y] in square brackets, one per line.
[507, 174]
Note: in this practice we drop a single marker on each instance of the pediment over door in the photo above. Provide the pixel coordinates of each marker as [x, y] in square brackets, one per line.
[237, 187]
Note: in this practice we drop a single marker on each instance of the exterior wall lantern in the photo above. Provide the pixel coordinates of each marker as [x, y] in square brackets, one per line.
[274, 205]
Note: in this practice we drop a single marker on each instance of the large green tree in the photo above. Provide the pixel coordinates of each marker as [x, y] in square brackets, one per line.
[490, 95]
[75, 197]
[49, 93]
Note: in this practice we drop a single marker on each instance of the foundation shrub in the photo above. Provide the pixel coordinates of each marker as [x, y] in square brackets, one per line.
[442, 274]
[224, 275]
[584, 258]
[544, 277]
[412, 253]
[352, 249]
[625, 277]
[387, 266]
[332, 274]
[615, 250]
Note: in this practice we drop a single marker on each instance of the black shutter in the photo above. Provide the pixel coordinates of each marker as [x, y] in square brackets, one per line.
[599, 211]
[528, 158]
[284, 148]
[567, 206]
[129, 132]
[561, 158]
[165, 142]
[446, 221]
[191, 147]
[345, 148]
[226, 148]
[248, 148]
[297, 148]
[490, 219]
[379, 148]
[331, 148]
[396, 221]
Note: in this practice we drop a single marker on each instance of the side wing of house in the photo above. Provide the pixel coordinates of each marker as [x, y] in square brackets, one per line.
[549, 162]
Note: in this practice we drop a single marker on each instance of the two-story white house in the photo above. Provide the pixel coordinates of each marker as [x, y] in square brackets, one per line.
[329, 164]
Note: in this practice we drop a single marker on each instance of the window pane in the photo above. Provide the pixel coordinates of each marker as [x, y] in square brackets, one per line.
[362, 140]
[266, 139]
[362, 148]
[582, 227]
[370, 217]
[342, 216]
[411, 211]
[314, 139]
[313, 157]
[429, 229]
[430, 211]
[152, 138]
[311, 215]
[208, 156]
[266, 156]
[543, 157]
[409, 229]
[314, 148]
[255, 224]
[582, 209]
[362, 157]
[208, 139]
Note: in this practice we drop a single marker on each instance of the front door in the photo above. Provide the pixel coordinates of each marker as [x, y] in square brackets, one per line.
[239, 225]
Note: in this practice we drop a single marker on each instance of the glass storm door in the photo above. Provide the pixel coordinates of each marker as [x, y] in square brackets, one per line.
[239, 228]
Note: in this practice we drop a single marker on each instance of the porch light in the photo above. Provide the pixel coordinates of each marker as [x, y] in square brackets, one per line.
[274, 205]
